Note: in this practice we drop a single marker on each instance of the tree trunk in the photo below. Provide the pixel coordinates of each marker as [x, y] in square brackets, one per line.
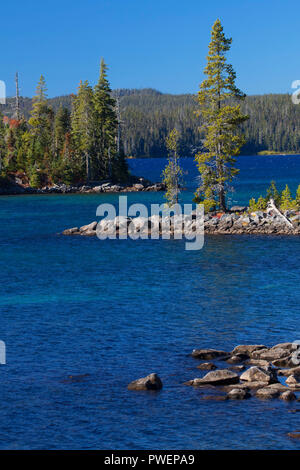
[87, 165]
[222, 200]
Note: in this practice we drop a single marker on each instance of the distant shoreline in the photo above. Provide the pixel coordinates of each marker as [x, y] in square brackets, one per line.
[264, 153]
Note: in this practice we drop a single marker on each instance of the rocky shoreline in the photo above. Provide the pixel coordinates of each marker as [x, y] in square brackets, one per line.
[238, 221]
[246, 371]
[134, 185]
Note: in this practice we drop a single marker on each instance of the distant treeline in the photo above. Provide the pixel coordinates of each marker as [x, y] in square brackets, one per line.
[147, 116]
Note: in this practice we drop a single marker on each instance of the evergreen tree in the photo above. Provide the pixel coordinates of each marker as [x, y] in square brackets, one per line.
[110, 155]
[41, 129]
[172, 173]
[220, 121]
[62, 127]
[297, 200]
[286, 199]
[2, 144]
[83, 127]
[273, 193]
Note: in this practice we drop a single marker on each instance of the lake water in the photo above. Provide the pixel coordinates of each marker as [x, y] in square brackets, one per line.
[108, 312]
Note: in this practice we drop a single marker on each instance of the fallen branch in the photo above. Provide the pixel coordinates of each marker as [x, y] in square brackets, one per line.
[272, 207]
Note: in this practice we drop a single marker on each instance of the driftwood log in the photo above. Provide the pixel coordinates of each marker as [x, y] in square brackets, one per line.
[271, 207]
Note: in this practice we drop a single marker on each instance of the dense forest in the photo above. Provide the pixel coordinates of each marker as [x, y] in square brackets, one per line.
[147, 116]
[69, 140]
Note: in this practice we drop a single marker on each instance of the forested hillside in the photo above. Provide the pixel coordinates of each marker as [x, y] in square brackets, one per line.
[148, 116]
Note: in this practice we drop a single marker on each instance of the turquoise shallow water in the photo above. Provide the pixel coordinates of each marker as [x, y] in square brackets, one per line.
[113, 311]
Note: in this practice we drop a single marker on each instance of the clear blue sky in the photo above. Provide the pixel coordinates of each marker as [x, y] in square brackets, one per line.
[160, 44]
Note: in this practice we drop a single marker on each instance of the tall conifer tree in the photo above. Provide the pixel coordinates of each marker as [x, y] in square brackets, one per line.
[221, 120]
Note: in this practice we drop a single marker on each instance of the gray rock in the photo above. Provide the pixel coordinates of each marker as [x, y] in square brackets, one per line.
[238, 394]
[288, 396]
[237, 358]
[291, 380]
[237, 368]
[247, 348]
[238, 208]
[151, 382]
[208, 353]
[218, 377]
[207, 366]
[267, 393]
[270, 354]
[287, 372]
[258, 374]
[71, 231]
[90, 227]
[257, 362]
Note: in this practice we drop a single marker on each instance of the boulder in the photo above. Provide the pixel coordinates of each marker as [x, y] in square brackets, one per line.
[291, 380]
[151, 382]
[294, 434]
[257, 362]
[208, 353]
[284, 362]
[258, 374]
[247, 348]
[238, 209]
[288, 396]
[270, 354]
[207, 366]
[237, 358]
[237, 368]
[71, 231]
[238, 394]
[218, 377]
[215, 397]
[287, 372]
[88, 228]
[288, 346]
[267, 393]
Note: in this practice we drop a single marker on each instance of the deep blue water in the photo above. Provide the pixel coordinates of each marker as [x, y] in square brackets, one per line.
[118, 310]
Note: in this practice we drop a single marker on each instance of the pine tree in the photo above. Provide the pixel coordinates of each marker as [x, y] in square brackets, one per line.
[83, 127]
[41, 129]
[273, 193]
[220, 120]
[62, 127]
[297, 200]
[2, 144]
[106, 125]
[286, 199]
[172, 174]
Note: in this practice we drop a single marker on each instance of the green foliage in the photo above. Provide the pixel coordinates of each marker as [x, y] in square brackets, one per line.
[221, 120]
[297, 200]
[273, 193]
[286, 199]
[283, 200]
[65, 147]
[172, 174]
[148, 116]
[260, 205]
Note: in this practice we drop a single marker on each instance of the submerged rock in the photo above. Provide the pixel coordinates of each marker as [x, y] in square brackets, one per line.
[288, 396]
[151, 382]
[238, 394]
[208, 353]
[207, 366]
